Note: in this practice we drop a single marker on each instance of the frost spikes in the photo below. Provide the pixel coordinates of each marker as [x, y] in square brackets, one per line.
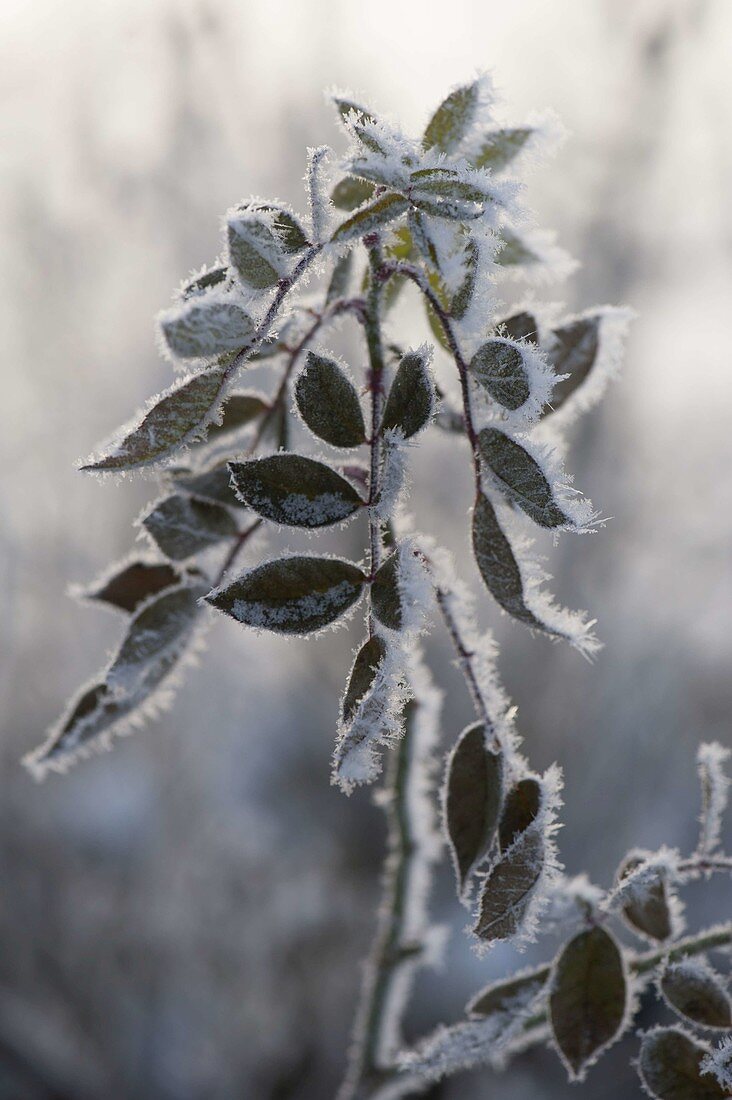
[697, 994]
[295, 490]
[328, 402]
[521, 478]
[670, 1067]
[369, 218]
[452, 119]
[134, 583]
[369, 657]
[206, 326]
[411, 399]
[499, 368]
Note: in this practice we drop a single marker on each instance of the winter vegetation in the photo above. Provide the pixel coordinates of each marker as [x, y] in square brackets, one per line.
[442, 215]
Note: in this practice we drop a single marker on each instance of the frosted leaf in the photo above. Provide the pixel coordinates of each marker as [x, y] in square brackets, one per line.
[521, 806]
[589, 999]
[130, 583]
[254, 252]
[295, 490]
[588, 349]
[452, 120]
[520, 326]
[319, 202]
[644, 890]
[471, 1043]
[670, 1066]
[212, 484]
[498, 365]
[348, 108]
[472, 799]
[393, 474]
[718, 1063]
[696, 993]
[533, 255]
[500, 147]
[285, 224]
[362, 675]
[206, 326]
[385, 598]
[239, 410]
[328, 402]
[515, 994]
[411, 401]
[369, 218]
[463, 296]
[715, 785]
[291, 595]
[401, 591]
[515, 252]
[340, 280]
[206, 280]
[351, 192]
[181, 526]
[174, 419]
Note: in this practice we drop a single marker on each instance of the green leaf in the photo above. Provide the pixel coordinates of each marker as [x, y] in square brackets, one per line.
[499, 368]
[473, 794]
[445, 183]
[171, 422]
[573, 351]
[504, 995]
[520, 477]
[697, 994]
[452, 119]
[295, 595]
[500, 147]
[254, 252]
[134, 583]
[340, 279]
[290, 233]
[213, 484]
[239, 410]
[351, 192]
[508, 888]
[206, 326]
[182, 526]
[328, 402]
[368, 219]
[515, 253]
[347, 106]
[497, 564]
[363, 674]
[588, 999]
[211, 278]
[464, 294]
[454, 209]
[411, 399]
[295, 490]
[522, 805]
[669, 1067]
[649, 914]
[386, 600]
[520, 326]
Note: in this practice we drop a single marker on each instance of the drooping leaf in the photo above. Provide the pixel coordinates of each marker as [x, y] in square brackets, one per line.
[134, 583]
[573, 351]
[650, 913]
[669, 1067]
[386, 599]
[328, 402]
[213, 484]
[697, 993]
[209, 279]
[351, 192]
[497, 563]
[411, 399]
[520, 326]
[204, 326]
[340, 279]
[588, 999]
[452, 119]
[369, 218]
[473, 795]
[295, 490]
[515, 252]
[182, 526]
[508, 888]
[254, 252]
[171, 422]
[521, 477]
[504, 995]
[521, 806]
[240, 409]
[363, 673]
[500, 147]
[498, 366]
[294, 595]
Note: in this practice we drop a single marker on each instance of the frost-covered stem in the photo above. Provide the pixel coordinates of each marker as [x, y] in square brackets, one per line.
[465, 655]
[372, 329]
[238, 544]
[705, 865]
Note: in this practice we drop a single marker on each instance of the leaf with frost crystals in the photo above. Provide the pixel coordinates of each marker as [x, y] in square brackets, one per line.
[386, 599]
[509, 994]
[289, 231]
[213, 484]
[367, 219]
[128, 587]
[239, 410]
[411, 399]
[498, 366]
[369, 657]
[514, 253]
[500, 147]
[650, 912]
[254, 252]
[206, 281]
[670, 1067]
[293, 595]
[473, 795]
[497, 564]
[522, 804]
[509, 887]
[295, 490]
[521, 477]
[328, 402]
[463, 296]
[340, 279]
[573, 352]
[588, 999]
[351, 192]
[452, 120]
[447, 183]
[715, 785]
[697, 994]
[520, 326]
[205, 326]
[172, 421]
[181, 526]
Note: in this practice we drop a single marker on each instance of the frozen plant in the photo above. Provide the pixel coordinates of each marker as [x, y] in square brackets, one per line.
[443, 212]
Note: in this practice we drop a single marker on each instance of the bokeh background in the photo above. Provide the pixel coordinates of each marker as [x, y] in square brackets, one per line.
[184, 918]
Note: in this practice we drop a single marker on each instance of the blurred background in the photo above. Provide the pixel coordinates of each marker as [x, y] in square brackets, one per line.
[184, 918]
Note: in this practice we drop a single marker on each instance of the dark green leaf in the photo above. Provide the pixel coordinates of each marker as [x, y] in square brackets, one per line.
[445, 183]
[473, 793]
[296, 595]
[588, 999]
[504, 995]
[464, 294]
[522, 805]
[369, 218]
[411, 399]
[174, 420]
[669, 1066]
[340, 279]
[454, 209]
[328, 402]
[515, 253]
[508, 888]
[650, 913]
[386, 601]
[363, 673]
[182, 526]
[213, 484]
[573, 351]
[213, 277]
[351, 192]
[206, 326]
[254, 252]
[239, 410]
[452, 119]
[290, 233]
[499, 368]
[497, 564]
[697, 994]
[520, 477]
[347, 107]
[520, 326]
[500, 147]
[134, 583]
[295, 490]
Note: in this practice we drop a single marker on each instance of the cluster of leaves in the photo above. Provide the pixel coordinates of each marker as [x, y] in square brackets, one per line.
[442, 212]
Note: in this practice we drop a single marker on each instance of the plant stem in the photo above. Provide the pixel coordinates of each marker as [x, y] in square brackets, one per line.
[372, 329]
